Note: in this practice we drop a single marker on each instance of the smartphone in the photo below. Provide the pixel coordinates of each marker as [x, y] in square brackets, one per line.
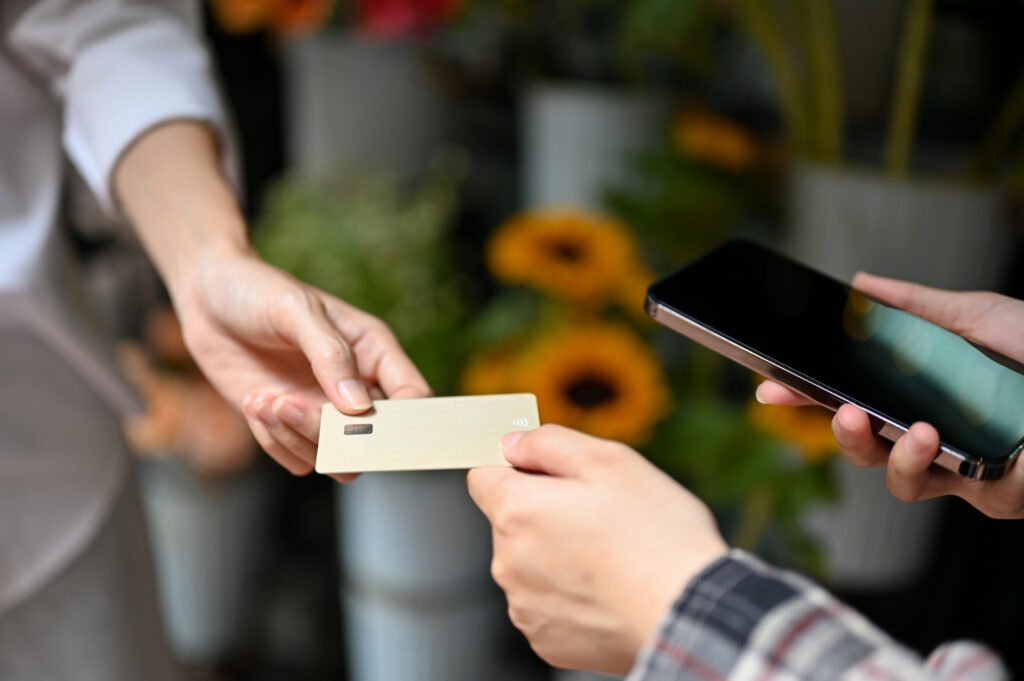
[835, 345]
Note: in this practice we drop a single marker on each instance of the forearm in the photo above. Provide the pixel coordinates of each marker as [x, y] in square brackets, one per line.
[740, 619]
[170, 184]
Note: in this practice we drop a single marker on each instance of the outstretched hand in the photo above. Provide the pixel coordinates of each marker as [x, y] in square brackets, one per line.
[274, 347]
[280, 349]
[989, 319]
[592, 544]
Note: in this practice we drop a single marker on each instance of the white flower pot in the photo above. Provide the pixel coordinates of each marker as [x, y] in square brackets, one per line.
[937, 233]
[417, 595]
[358, 103]
[577, 140]
[207, 546]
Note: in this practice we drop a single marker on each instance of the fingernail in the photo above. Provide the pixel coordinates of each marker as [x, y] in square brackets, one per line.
[354, 394]
[844, 421]
[291, 414]
[757, 394]
[511, 439]
[266, 413]
[915, 443]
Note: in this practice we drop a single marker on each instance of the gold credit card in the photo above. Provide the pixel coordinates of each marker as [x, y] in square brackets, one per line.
[424, 434]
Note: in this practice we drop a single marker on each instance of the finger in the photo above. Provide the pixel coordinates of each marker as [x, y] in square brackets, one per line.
[293, 411]
[285, 435]
[908, 474]
[332, 359]
[771, 392]
[553, 450]
[991, 319]
[853, 432]
[381, 357]
[488, 485]
[298, 414]
[286, 459]
[948, 309]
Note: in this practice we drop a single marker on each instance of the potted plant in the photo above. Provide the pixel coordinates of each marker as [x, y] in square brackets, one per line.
[205, 497]
[358, 92]
[594, 83]
[897, 208]
[567, 324]
[414, 552]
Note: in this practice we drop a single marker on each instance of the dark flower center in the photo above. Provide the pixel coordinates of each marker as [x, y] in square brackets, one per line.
[567, 250]
[591, 391]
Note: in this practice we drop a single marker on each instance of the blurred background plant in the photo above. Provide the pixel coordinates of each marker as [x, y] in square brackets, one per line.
[292, 18]
[708, 176]
[674, 124]
[610, 41]
[185, 417]
[801, 46]
[568, 326]
[382, 247]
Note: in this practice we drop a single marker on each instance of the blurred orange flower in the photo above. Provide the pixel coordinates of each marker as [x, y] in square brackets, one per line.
[566, 252]
[808, 429]
[294, 17]
[715, 140]
[489, 373]
[242, 16]
[632, 294]
[599, 378]
[184, 415]
[162, 334]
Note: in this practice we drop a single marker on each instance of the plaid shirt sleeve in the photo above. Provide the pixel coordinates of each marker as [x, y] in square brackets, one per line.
[744, 621]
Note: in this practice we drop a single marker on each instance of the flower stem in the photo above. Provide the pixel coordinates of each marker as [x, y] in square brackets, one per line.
[763, 28]
[1007, 121]
[755, 515]
[827, 97]
[906, 97]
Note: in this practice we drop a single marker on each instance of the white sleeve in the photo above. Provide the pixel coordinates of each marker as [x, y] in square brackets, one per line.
[120, 67]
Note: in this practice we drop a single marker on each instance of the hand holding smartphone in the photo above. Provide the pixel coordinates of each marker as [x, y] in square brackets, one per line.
[834, 345]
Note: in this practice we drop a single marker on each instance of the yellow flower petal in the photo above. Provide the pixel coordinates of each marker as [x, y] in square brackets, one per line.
[599, 378]
[715, 140]
[565, 252]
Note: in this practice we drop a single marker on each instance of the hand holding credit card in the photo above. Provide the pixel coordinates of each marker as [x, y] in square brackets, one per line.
[424, 434]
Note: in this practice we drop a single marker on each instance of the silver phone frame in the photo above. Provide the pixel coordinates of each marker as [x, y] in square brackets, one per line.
[949, 458]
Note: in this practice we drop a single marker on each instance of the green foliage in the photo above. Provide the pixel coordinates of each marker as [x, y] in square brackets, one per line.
[756, 484]
[618, 41]
[681, 31]
[512, 315]
[379, 248]
[680, 208]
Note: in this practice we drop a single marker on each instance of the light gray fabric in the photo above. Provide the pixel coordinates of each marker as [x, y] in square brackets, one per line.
[98, 619]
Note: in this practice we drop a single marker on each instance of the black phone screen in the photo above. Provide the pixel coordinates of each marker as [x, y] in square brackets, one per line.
[870, 354]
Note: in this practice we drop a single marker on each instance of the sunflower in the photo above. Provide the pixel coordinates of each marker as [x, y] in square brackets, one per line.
[808, 429]
[715, 140]
[490, 373]
[599, 378]
[569, 253]
[632, 295]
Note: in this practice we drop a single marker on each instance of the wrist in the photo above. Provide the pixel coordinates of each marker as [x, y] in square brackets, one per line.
[670, 586]
[187, 275]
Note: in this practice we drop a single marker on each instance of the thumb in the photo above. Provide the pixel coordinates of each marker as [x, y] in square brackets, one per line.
[550, 449]
[331, 358]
